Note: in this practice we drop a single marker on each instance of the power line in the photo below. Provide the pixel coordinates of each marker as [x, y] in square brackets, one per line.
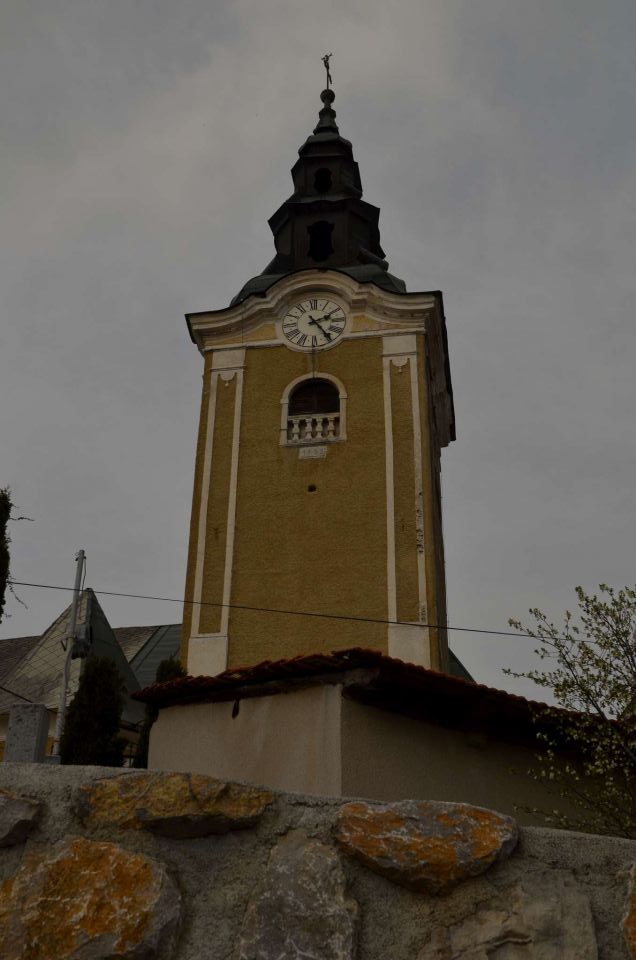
[14, 694]
[293, 613]
[47, 658]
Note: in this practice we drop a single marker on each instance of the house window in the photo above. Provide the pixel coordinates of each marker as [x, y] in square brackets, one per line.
[313, 411]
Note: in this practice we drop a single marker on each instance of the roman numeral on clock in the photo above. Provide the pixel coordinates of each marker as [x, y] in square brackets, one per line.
[313, 324]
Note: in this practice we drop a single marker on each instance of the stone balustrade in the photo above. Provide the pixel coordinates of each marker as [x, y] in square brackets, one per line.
[313, 428]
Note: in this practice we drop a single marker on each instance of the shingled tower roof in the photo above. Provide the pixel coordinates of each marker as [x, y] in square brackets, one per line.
[325, 222]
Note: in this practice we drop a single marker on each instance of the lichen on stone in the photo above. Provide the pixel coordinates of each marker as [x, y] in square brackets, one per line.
[425, 845]
[84, 899]
[175, 805]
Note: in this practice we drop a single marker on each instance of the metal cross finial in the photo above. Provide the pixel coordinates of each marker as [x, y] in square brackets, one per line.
[327, 57]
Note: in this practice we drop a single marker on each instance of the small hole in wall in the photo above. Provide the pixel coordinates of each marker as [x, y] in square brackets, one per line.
[311, 488]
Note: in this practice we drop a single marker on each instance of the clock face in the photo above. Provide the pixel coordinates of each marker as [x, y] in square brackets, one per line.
[314, 323]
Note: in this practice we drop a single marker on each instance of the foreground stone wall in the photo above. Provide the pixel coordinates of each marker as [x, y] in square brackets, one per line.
[96, 863]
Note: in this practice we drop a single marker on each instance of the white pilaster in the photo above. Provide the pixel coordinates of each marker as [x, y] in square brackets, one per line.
[390, 492]
[207, 653]
[406, 641]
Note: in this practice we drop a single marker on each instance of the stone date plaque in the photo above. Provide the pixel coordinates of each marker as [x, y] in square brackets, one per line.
[312, 453]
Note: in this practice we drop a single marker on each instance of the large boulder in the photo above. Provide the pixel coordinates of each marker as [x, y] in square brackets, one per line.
[546, 918]
[427, 846]
[629, 917]
[172, 804]
[18, 816]
[302, 909]
[83, 900]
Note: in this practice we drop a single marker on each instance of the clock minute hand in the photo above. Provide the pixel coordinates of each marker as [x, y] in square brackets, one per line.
[318, 324]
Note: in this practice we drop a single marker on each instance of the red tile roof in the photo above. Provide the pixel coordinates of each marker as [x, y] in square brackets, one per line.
[388, 683]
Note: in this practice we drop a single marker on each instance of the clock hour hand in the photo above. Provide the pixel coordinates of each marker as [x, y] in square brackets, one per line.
[318, 324]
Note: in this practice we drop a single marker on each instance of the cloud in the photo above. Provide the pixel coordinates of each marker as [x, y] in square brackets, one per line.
[146, 145]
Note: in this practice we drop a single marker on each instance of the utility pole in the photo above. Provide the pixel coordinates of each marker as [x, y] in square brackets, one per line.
[70, 648]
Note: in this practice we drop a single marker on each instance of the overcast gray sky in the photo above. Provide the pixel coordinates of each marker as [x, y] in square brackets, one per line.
[146, 143]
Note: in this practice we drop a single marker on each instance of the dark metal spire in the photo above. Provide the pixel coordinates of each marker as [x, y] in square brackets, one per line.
[327, 122]
[325, 222]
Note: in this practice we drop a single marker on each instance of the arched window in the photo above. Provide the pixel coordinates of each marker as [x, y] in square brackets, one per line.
[313, 410]
[314, 396]
[322, 180]
[320, 245]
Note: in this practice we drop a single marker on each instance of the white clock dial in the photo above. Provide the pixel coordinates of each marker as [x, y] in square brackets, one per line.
[314, 323]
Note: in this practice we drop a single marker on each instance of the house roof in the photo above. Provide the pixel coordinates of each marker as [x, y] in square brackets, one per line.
[132, 639]
[36, 675]
[162, 643]
[32, 665]
[371, 678]
[12, 650]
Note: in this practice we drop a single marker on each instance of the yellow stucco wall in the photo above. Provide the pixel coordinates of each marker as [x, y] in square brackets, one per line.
[407, 591]
[321, 551]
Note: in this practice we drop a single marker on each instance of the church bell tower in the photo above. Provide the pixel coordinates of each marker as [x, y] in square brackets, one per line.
[316, 516]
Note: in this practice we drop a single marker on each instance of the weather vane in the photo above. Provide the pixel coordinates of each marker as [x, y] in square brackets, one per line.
[327, 57]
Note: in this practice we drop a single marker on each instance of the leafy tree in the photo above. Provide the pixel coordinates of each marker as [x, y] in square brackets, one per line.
[91, 728]
[6, 506]
[589, 744]
[169, 669]
[5, 514]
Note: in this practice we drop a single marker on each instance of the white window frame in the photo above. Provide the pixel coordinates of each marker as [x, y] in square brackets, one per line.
[284, 413]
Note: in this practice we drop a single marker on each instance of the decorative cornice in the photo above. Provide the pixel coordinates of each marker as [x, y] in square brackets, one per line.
[364, 298]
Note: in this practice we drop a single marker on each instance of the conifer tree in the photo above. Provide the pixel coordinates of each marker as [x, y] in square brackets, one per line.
[5, 513]
[91, 728]
[170, 669]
